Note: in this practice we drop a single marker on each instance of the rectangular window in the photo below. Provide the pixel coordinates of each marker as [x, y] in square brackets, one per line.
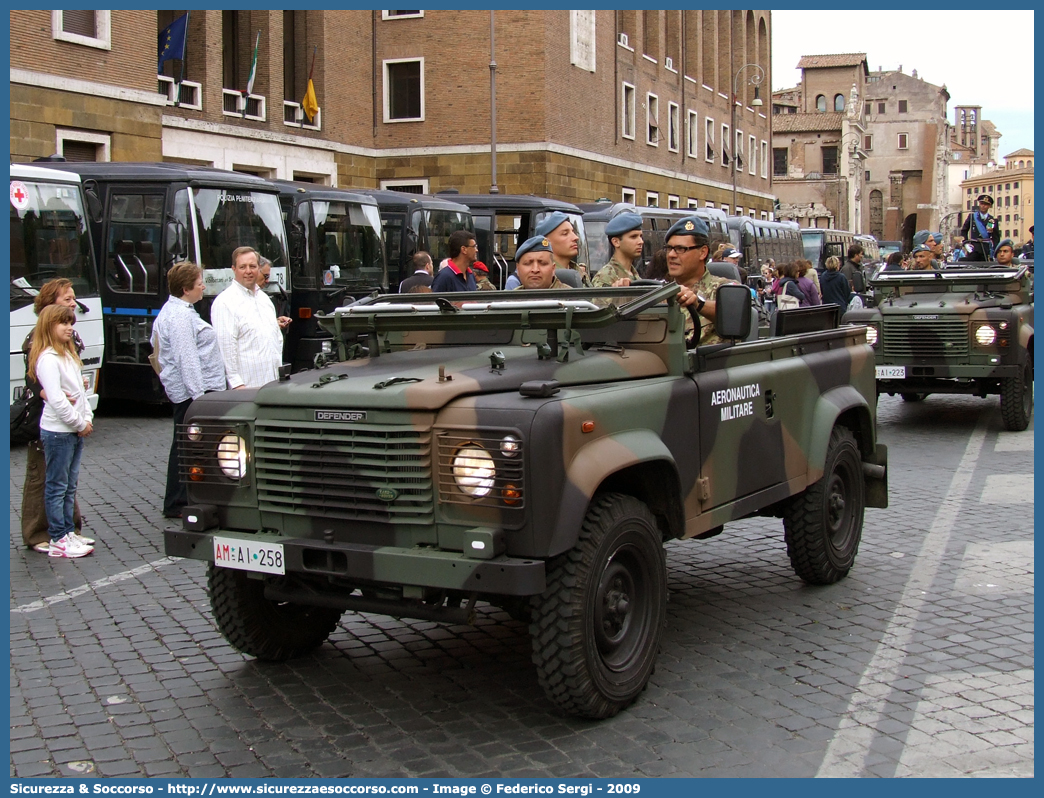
[779, 161]
[693, 203]
[652, 107]
[627, 107]
[81, 145]
[672, 126]
[1007, 186]
[866, 175]
[709, 204]
[672, 201]
[1015, 201]
[764, 159]
[904, 141]
[741, 162]
[902, 106]
[1015, 184]
[708, 139]
[880, 108]
[725, 144]
[652, 199]
[868, 142]
[752, 154]
[404, 90]
[401, 14]
[829, 160]
[739, 210]
[866, 109]
[1007, 202]
[693, 133]
[725, 209]
[628, 195]
[89, 28]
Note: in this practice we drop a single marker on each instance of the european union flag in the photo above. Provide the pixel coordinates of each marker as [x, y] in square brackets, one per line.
[172, 41]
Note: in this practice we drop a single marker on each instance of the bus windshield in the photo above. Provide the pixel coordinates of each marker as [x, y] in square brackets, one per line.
[813, 245]
[349, 243]
[438, 224]
[48, 240]
[229, 218]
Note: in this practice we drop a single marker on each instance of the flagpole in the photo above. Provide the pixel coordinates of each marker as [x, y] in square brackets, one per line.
[315, 49]
[184, 55]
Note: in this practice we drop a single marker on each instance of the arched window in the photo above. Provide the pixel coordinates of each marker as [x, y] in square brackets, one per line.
[839, 102]
[821, 104]
[1021, 164]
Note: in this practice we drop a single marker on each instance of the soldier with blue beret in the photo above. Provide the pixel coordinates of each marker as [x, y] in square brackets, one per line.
[933, 241]
[688, 250]
[1005, 253]
[535, 265]
[922, 255]
[624, 232]
[557, 229]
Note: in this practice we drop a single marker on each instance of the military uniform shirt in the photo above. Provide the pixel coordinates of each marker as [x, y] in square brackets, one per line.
[556, 283]
[707, 287]
[613, 271]
[585, 280]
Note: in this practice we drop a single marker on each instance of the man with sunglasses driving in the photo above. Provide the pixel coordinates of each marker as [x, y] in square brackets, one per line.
[688, 248]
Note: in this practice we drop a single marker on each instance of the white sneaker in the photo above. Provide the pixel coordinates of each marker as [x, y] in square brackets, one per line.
[85, 541]
[69, 547]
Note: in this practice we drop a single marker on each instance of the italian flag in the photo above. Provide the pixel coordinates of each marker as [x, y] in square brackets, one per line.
[253, 66]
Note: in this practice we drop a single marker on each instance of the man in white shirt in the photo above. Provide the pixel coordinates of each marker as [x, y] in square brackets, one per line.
[247, 329]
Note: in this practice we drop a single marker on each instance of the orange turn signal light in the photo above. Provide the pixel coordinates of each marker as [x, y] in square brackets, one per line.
[196, 473]
[587, 426]
[304, 313]
[511, 494]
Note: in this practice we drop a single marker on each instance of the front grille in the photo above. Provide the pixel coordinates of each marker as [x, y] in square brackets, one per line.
[355, 474]
[930, 338]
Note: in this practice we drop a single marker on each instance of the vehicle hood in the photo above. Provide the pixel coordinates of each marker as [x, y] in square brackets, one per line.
[944, 302]
[468, 369]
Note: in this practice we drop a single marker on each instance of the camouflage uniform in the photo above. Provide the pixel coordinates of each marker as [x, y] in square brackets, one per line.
[613, 271]
[585, 280]
[556, 283]
[706, 287]
[483, 282]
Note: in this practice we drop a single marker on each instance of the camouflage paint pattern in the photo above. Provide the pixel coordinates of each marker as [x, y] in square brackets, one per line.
[351, 466]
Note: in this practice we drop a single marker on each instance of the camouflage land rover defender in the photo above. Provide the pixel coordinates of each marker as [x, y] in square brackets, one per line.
[962, 329]
[533, 450]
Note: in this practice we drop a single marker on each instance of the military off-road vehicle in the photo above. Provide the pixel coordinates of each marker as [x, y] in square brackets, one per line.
[529, 449]
[960, 329]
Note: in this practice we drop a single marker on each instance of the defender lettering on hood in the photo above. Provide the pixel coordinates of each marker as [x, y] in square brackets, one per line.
[347, 416]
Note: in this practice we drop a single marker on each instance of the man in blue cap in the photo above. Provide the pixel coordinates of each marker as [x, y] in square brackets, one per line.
[980, 231]
[624, 232]
[565, 243]
[535, 265]
[688, 249]
[933, 241]
[922, 258]
[1005, 253]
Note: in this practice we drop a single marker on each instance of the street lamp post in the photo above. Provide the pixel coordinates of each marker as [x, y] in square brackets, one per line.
[755, 81]
[492, 107]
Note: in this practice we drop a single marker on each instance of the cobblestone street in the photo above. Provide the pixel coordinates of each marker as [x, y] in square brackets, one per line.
[919, 663]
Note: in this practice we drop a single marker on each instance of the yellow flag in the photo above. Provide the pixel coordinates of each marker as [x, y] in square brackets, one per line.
[309, 104]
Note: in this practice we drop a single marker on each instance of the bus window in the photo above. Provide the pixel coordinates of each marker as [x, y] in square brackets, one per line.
[132, 253]
[393, 238]
[231, 218]
[435, 227]
[349, 243]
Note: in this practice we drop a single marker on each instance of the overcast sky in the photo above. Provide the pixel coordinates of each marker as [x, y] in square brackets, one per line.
[996, 73]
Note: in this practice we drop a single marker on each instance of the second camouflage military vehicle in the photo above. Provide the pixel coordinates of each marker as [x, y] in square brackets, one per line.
[529, 449]
[962, 329]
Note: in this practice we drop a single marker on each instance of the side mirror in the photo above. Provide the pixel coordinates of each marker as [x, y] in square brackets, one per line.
[733, 315]
[94, 203]
[175, 240]
[297, 239]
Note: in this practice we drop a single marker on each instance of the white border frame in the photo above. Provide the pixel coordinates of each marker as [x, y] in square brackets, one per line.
[103, 20]
[624, 86]
[673, 120]
[387, 15]
[385, 87]
[417, 181]
[103, 140]
[650, 98]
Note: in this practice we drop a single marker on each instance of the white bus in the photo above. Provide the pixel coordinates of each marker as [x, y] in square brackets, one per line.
[49, 239]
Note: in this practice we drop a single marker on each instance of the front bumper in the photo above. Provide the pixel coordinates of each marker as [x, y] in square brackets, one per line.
[379, 565]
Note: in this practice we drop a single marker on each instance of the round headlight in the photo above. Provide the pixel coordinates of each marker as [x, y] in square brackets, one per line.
[231, 456]
[985, 335]
[871, 335]
[473, 470]
[194, 433]
[510, 446]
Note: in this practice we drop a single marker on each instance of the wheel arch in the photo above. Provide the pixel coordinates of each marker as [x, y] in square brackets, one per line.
[637, 463]
[842, 405]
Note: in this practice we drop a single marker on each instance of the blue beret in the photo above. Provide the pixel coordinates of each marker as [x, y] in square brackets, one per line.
[550, 223]
[689, 226]
[623, 223]
[938, 237]
[921, 236]
[921, 248]
[1006, 242]
[534, 244]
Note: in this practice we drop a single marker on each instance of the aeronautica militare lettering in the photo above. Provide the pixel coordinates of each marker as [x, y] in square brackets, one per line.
[736, 402]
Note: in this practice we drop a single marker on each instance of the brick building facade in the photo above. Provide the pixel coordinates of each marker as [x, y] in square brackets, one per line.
[618, 104]
[1011, 187]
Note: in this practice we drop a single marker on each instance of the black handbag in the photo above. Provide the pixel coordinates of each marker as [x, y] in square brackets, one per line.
[25, 418]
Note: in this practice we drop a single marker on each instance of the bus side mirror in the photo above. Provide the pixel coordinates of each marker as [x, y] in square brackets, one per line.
[733, 311]
[176, 239]
[297, 239]
[94, 204]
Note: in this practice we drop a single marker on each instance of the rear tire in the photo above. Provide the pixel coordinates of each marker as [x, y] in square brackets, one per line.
[269, 630]
[596, 628]
[1017, 398]
[824, 524]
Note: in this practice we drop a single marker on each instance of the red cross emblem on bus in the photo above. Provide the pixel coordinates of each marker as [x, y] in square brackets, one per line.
[19, 195]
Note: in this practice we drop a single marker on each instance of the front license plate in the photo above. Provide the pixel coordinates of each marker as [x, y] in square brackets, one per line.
[891, 372]
[249, 555]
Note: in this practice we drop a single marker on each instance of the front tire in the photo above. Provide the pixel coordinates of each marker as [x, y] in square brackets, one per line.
[1017, 398]
[824, 524]
[269, 630]
[596, 628]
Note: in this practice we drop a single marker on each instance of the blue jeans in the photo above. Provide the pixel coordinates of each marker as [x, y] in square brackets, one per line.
[62, 453]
